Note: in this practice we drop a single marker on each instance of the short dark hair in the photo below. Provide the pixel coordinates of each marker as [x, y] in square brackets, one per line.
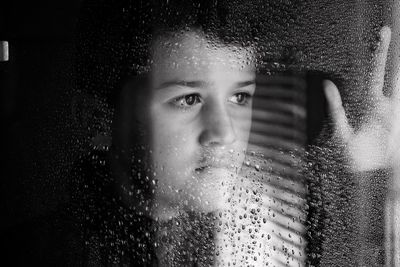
[114, 38]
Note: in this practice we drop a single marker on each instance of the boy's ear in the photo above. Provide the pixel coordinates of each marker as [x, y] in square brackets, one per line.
[92, 118]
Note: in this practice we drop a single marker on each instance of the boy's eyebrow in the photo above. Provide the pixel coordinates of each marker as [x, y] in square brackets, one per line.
[192, 84]
[201, 84]
[245, 83]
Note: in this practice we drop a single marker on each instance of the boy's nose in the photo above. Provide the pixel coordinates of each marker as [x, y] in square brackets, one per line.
[218, 129]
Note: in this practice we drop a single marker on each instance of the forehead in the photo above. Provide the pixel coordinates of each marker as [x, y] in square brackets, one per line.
[193, 55]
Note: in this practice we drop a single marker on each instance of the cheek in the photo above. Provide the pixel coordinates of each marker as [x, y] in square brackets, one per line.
[241, 121]
[242, 125]
[173, 156]
[173, 144]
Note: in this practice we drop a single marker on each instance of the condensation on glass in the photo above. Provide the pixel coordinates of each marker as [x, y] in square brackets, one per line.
[202, 151]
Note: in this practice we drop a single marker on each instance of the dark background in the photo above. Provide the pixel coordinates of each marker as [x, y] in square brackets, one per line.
[34, 105]
[38, 148]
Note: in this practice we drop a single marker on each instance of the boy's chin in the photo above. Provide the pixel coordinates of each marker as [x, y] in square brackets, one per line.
[210, 192]
[215, 190]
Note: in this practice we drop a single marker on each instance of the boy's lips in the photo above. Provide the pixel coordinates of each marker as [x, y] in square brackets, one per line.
[200, 169]
[220, 163]
[212, 159]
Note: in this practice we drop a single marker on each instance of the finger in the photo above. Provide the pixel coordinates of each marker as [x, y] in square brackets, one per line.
[396, 85]
[394, 137]
[379, 64]
[341, 125]
[396, 69]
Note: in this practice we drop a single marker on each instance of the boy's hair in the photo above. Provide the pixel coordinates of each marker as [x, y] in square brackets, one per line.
[114, 38]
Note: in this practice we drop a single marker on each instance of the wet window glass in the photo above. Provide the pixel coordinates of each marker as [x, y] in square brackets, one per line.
[201, 133]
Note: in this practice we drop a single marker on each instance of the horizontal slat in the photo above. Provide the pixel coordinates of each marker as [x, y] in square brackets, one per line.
[289, 108]
[278, 92]
[285, 132]
[283, 80]
[284, 119]
[273, 142]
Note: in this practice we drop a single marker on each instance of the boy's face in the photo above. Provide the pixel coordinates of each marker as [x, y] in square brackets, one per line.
[200, 120]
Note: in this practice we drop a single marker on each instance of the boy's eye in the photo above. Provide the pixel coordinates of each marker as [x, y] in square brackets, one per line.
[187, 100]
[240, 98]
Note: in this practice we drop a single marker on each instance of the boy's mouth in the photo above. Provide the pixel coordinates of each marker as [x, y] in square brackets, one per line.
[214, 164]
[210, 160]
[201, 169]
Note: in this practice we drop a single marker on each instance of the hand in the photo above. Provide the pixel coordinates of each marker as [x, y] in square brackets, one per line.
[377, 144]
